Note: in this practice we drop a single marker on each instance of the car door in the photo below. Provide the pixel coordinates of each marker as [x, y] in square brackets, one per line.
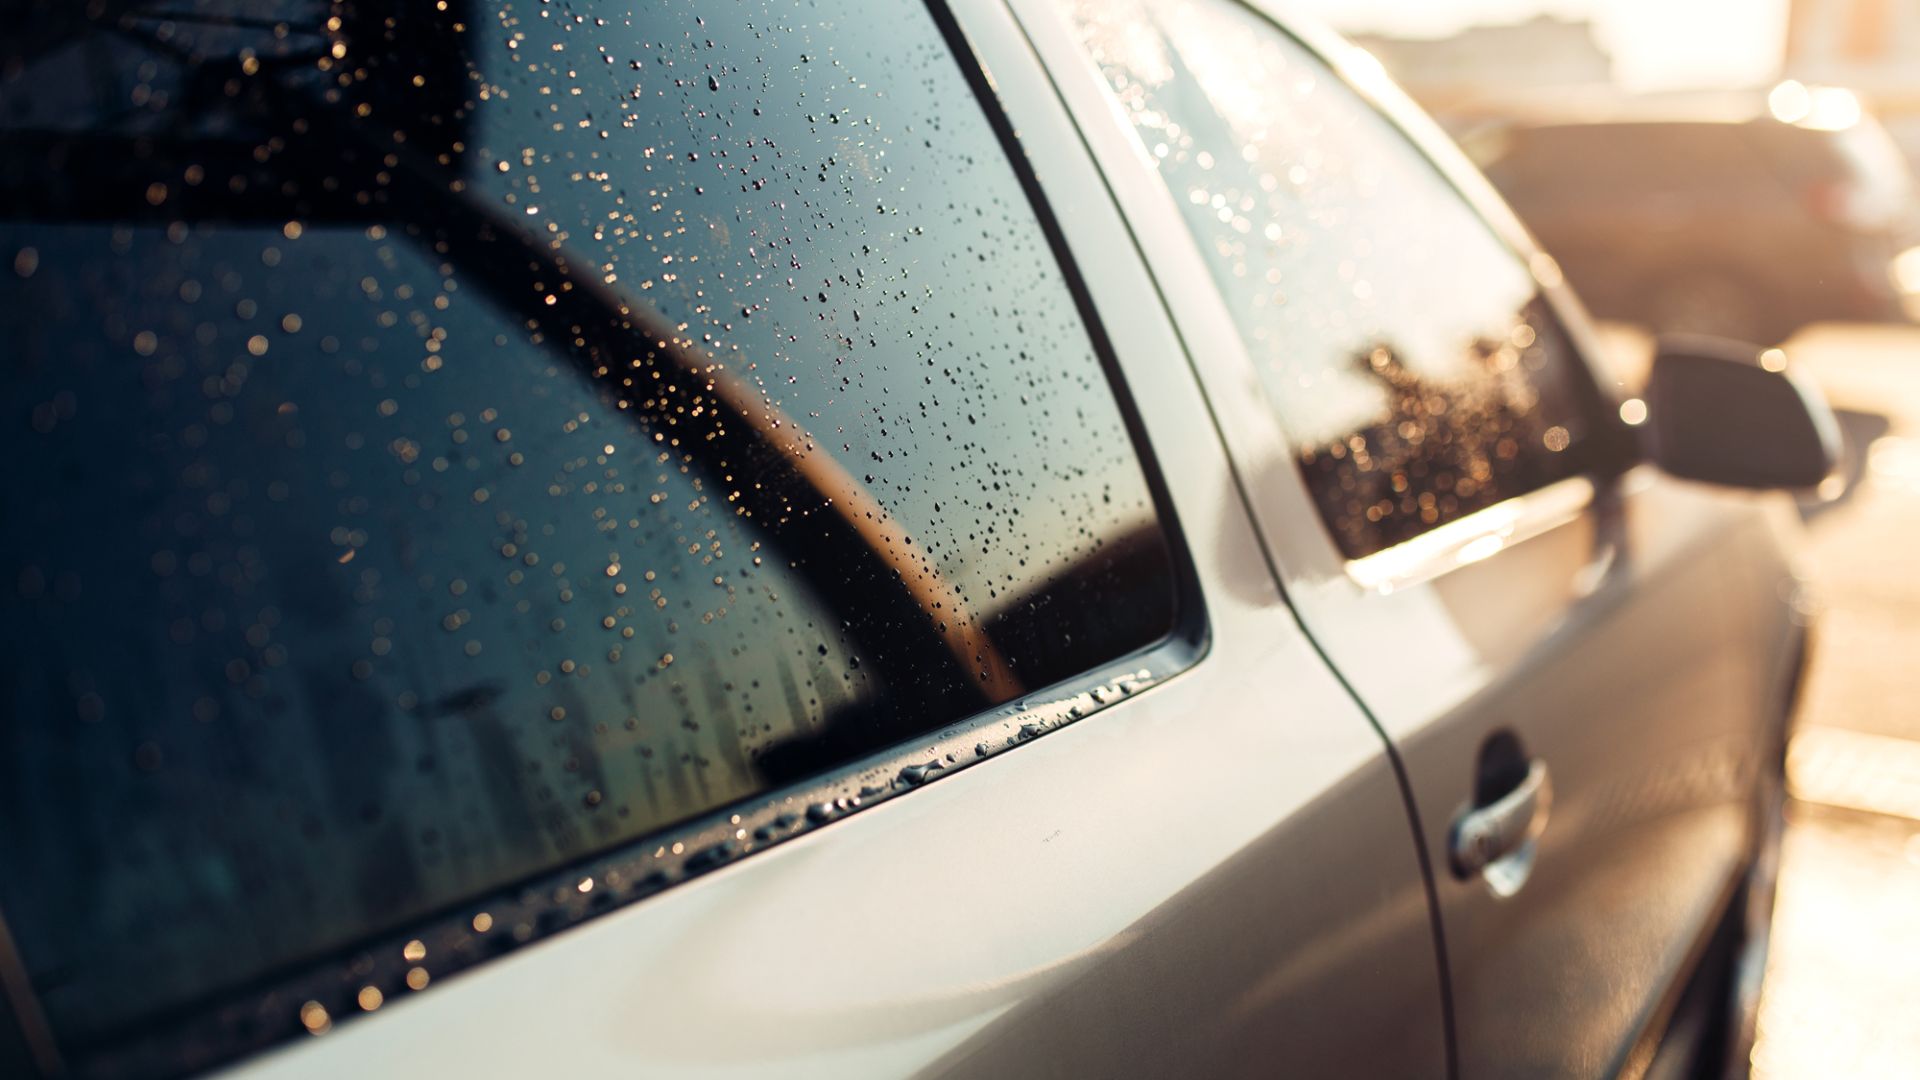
[684, 557]
[1450, 501]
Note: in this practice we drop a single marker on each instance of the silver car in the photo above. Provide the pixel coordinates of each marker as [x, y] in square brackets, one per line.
[849, 538]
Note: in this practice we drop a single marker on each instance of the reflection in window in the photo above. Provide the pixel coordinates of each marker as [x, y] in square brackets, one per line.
[1414, 369]
[457, 443]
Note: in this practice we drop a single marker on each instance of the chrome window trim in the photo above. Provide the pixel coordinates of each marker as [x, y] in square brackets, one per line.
[1479, 535]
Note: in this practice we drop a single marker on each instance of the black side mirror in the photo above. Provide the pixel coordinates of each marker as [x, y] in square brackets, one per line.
[1727, 413]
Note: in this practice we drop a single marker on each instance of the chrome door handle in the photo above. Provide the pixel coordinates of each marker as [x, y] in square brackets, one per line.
[1484, 835]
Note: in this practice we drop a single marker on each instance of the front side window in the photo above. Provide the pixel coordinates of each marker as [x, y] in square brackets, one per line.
[452, 443]
[1414, 365]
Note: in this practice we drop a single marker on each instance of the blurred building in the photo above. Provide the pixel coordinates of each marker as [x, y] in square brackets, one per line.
[1869, 46]
[1489, 69]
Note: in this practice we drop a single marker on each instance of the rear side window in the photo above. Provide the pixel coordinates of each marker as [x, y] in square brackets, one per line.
[1416, 369]
[468, 441]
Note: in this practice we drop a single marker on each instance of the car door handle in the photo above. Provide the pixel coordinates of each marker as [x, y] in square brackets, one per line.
[1483, 835]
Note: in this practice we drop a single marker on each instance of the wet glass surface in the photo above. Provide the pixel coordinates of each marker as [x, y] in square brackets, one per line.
[1414, 367]
[452, 444]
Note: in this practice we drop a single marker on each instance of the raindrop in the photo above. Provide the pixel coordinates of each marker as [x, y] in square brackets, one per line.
[917, 774]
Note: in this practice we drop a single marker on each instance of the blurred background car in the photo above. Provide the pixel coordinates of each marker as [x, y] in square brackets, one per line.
[1717, 215]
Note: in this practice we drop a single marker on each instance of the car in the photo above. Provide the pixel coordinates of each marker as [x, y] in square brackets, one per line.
[1719, 216]
[850, 538]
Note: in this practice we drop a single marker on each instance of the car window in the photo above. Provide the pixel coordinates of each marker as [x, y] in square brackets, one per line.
[1859, 163]
[1555, 164]
[453, 444]
[1580, 164]
[1411, 359]
[1687, 157]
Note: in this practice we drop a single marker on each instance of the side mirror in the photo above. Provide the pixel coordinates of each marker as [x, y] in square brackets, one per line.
[1727, 413]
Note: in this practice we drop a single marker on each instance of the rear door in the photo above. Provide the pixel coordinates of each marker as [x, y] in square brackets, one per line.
[706, 570]
[1436, 474]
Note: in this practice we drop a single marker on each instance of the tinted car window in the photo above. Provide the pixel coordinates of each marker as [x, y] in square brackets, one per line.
[455, 443]
[1411, 359]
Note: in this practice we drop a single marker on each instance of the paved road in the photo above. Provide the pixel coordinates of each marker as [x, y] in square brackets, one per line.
[1842, 997]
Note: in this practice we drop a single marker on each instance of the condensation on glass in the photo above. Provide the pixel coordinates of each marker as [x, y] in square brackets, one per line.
[1414, 367]
[449, 442]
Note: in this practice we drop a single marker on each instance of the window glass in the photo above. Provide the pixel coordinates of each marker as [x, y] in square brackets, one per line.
[451, 444]
[1860, 159]
[1414, 366]
[1616, 162]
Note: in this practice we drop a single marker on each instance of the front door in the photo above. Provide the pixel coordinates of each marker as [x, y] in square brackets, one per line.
[1439, 481]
